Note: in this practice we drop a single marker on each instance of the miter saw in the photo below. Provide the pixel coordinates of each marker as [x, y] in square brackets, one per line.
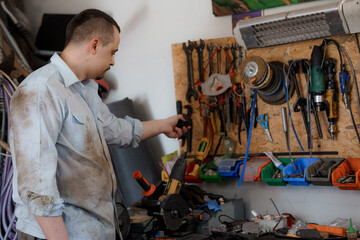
[170, 209]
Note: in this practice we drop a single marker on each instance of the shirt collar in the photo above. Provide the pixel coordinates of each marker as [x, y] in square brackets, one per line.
[67, 74]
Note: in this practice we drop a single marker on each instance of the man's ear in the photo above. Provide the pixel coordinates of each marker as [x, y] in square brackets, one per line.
[94, 45]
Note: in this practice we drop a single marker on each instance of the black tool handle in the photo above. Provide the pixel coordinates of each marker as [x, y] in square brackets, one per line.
[179, 107]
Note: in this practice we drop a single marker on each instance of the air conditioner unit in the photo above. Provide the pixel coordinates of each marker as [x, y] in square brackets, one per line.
[327, 19]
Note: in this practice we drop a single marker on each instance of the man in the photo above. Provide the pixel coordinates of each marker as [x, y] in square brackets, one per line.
[64, 182]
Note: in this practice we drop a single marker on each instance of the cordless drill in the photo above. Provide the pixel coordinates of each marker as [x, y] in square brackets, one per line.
[330, 100]
[317, 88]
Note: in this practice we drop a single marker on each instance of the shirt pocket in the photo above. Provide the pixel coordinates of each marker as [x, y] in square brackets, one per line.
[83, 132]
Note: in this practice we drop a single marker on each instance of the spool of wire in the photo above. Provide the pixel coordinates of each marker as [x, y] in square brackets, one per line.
[267, 79]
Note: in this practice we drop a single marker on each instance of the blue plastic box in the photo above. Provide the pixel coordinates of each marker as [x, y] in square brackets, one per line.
[229, 167]
[301, 164]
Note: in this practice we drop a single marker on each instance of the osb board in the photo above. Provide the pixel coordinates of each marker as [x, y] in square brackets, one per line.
[345, 143]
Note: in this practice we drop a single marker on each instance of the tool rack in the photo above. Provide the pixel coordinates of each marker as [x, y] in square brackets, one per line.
[345, 143]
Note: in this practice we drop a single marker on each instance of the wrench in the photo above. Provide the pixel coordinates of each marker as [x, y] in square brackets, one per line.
[218, 58]
[191, 92]
[227, 66]
[200, 49]
[233, 53]
[210, 48]
[239, 54]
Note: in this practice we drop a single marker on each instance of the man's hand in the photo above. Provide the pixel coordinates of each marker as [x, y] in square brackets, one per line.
[173, 131]
[166, 126]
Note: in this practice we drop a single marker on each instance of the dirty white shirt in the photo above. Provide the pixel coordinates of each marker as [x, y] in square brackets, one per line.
[62, 167]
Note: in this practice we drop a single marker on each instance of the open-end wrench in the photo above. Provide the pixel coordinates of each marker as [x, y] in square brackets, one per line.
[227, 65]
[233, 53]
[200, 49]
[210, 48]
[218, 58]
[240, 55]
[189, 132]
[191, 92]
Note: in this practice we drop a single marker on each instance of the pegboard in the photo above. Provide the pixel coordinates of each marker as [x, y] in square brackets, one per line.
[345, 143]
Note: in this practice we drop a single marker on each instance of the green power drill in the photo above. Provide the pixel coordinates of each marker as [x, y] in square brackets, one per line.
[317, 87]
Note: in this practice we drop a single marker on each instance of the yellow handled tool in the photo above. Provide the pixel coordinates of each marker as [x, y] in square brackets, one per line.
[202, 151]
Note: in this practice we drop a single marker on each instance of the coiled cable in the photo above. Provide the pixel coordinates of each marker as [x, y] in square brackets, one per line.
[7, 214]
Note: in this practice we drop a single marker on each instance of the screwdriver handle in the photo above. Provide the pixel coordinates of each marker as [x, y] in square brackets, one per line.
[343, 76]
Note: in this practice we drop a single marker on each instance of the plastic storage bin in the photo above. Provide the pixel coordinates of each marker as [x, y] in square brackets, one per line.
[337, 231]
[253, 168]
[348, 165]
[229, 167]
[269, 170]
[216, 178]
[189, 168]
[301, 164]
[331, 163]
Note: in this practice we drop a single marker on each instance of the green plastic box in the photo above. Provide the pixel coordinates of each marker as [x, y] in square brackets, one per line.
[216, 178]
[268, 171]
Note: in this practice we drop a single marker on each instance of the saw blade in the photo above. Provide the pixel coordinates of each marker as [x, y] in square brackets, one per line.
[172, 220]
[174, 208]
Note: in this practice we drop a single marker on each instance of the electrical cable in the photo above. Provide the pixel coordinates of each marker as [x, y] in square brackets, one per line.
[354, 77]
[7, 215]
[285, 83]
[308, 102]
[357, 41]
[223, 215]
[5, 155]
[11, 16]
[6, 184]
[340, 49]
[14, 85]
[249, 139]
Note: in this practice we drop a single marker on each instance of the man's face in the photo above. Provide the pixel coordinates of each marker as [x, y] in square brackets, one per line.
[105, 56]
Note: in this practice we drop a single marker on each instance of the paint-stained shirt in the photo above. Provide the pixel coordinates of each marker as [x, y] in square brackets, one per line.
[59, 137]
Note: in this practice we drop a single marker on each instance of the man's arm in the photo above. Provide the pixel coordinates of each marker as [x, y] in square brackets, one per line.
[166, 126]
[53, 227]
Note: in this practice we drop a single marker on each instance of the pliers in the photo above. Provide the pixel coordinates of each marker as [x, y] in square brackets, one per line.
[249, 109]
[208, 125]
[241, 113]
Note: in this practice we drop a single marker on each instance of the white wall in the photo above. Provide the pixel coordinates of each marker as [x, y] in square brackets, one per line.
[143, 70]
[144, 73]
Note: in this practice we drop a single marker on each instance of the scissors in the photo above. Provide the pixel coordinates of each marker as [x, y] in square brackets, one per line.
[263, 120]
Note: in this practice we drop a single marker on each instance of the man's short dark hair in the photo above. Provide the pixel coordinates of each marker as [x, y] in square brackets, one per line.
[88, 24]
